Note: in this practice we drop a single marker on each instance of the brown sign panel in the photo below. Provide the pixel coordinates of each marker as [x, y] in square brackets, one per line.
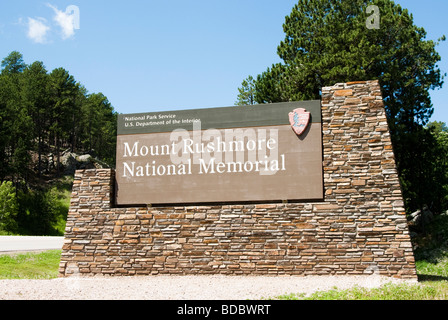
[267, 160]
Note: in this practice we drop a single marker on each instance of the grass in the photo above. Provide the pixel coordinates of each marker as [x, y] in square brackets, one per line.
[422, 291]
[43, 265]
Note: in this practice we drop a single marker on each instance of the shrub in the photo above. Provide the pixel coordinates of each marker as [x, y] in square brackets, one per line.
[8, 207]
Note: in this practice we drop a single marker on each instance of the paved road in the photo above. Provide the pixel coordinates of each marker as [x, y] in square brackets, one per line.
[10, 244]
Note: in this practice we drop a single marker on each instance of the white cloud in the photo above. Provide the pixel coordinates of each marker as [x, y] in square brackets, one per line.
[65, 21]
[37, 30]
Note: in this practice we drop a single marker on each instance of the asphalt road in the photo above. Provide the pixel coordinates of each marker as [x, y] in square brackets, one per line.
[11, 244]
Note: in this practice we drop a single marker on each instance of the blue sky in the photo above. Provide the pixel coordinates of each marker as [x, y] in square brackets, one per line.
[150, 56]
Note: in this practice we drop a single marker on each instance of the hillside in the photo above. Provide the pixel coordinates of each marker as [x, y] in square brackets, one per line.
[50, 125]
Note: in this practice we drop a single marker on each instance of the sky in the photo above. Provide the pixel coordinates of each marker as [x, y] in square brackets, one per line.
[150, 56]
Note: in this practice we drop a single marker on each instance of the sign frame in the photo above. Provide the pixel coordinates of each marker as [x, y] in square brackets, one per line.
[146, 131]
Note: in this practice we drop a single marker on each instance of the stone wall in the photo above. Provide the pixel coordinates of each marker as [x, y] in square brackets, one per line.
[359, 228]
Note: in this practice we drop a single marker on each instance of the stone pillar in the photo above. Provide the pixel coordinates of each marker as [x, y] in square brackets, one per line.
[361, 179]
[91, 198]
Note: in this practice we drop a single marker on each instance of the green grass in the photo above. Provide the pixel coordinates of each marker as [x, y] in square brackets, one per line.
[433, 269]
[43, 265]
[422, 291]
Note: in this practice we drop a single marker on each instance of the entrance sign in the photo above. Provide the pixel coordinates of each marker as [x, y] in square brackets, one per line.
[242, 161]
[268, 152]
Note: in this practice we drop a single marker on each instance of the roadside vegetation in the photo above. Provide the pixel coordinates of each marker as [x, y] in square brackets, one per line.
[423, 291]
[42, 265]
[41, 211]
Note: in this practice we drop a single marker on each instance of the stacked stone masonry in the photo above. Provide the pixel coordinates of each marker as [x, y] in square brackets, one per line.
[360, 227]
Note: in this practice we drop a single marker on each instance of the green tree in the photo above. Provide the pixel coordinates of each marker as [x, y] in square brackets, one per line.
[246, 94]
[99, 125]
[63, 92]
[15, 121]
[439, 160]
[37, 211]
[13, 63]
[8, 207]
[327, 41]
[5, 128]
[41, 114]
[425, 177]
[35, 93]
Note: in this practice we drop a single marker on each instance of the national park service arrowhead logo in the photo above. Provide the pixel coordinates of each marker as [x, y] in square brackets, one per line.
[299, 120]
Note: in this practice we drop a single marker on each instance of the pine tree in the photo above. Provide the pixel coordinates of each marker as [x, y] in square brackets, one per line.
[63, 90]
[35, 92]
[332, 41]
[15, 122]
[246, 94]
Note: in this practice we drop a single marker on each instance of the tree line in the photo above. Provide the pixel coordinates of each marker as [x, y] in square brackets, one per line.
[43, 114]
[328, 42]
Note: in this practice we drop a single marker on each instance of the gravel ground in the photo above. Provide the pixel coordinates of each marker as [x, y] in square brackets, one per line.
[178, 287]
